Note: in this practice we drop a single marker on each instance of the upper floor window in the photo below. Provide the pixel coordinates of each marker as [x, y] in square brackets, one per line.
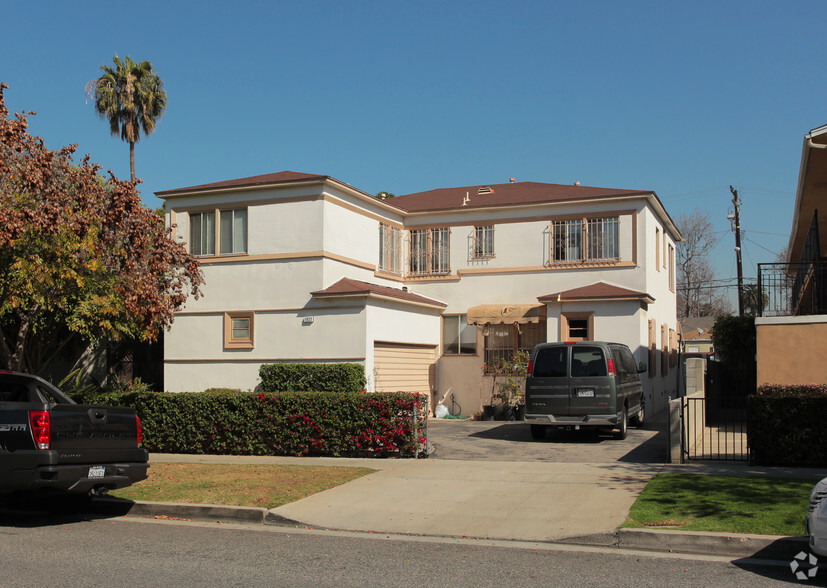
[233, 238]
[584, 240]
[390, 248]
[671, 268]
[484, 242]
[202, 233]
[231, 233]
[430, 252]
[657, 248]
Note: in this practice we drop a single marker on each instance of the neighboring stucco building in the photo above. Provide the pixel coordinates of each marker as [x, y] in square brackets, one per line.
[696, 334]
[425, 290]
[792, 328]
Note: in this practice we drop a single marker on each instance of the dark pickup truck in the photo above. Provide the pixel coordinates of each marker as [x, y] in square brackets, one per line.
[50, 443]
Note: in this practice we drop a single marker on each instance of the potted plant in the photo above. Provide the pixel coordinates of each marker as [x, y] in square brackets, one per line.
[508, 392]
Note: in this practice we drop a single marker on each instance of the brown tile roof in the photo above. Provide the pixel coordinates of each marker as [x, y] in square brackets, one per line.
[597, 291]
[349, 287]
[282, 177]
[502, 194]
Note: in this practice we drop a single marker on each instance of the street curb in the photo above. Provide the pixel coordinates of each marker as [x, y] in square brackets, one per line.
[190, 512]
[738, 545]
[768, 547]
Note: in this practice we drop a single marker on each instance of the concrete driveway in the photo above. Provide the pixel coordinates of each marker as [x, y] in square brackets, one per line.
[511, 441]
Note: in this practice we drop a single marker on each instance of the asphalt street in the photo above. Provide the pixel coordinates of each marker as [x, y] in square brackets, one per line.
[77, 551]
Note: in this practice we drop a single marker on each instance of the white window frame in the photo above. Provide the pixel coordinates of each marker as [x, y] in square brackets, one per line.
[462, 329]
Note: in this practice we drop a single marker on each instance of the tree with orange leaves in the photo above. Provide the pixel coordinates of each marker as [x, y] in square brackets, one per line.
[80, 255]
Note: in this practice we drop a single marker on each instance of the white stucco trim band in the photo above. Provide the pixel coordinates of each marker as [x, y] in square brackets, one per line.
[813, 319]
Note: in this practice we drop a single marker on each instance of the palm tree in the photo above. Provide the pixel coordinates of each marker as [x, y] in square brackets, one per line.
[131, 97]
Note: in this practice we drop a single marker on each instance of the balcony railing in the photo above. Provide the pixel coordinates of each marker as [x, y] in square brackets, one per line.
[792, 289]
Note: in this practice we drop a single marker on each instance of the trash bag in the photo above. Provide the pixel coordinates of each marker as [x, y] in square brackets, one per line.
[441, 411]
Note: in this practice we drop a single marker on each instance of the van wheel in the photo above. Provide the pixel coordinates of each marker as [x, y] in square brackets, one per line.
[638, 419]
[623, 426]
[538, 432]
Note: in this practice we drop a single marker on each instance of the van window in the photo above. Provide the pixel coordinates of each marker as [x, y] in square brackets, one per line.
[621, 365]
[588, 361]
[551, 362]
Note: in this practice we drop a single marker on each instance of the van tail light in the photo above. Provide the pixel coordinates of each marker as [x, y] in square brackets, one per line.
[530, 368]
[611, 367]
[41, 423]
[140, 430]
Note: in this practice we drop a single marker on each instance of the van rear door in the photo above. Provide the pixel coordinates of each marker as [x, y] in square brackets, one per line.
[547, 387]
[590, 388]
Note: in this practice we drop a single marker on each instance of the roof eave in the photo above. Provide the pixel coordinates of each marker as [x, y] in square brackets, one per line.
[377, 296]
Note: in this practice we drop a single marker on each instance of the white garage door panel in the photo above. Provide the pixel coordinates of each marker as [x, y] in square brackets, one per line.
[403, 368]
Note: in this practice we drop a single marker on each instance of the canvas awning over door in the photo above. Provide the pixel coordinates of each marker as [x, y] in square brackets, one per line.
[498, 314]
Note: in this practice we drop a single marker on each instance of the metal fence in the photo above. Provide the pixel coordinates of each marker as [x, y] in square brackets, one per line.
[792, 289]
[714, 429]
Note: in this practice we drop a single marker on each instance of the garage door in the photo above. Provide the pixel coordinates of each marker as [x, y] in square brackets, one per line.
[404, 368]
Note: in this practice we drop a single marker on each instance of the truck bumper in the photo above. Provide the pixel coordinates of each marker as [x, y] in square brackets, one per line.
[29, 472]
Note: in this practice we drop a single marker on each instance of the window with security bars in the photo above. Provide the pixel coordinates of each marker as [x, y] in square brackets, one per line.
[484, 242]
[502, 342]
[430, 252]
[584, 240]
[602, 237]
[390, 249]
[567, 239]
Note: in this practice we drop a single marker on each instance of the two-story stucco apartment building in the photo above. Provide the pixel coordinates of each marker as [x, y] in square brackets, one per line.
[426, 290]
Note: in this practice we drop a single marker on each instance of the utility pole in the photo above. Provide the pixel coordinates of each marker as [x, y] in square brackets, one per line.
[737, 204]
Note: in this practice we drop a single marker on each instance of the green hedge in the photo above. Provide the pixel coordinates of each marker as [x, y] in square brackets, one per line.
[786, 425]
[312, 377]
[288, 423]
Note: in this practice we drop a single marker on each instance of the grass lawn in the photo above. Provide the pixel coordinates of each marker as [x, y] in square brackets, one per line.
[265, 486]
[735, 504]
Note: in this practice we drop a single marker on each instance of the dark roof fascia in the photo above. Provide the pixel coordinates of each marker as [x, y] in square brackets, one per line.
[211, 188]
[196, 191]
[495, 207]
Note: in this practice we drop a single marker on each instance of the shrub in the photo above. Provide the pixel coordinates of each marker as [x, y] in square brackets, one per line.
[786, 425]
[287, 423]
[310, 377]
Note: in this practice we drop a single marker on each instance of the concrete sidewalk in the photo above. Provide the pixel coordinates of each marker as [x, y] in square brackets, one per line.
[532, 501]
[522, 501]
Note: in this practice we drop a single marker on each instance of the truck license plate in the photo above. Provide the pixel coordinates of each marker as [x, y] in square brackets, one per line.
[585, 393]
[97, 471]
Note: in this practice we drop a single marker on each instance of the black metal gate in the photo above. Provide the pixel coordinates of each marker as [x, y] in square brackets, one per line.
[714, 429]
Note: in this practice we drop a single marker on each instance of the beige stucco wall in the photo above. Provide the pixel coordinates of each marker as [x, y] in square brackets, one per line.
[461, 375]
[790, 350]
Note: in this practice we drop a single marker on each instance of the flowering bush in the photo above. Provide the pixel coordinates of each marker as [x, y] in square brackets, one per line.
[284, 423]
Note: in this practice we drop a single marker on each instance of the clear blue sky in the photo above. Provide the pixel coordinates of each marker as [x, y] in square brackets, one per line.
[680, 98]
